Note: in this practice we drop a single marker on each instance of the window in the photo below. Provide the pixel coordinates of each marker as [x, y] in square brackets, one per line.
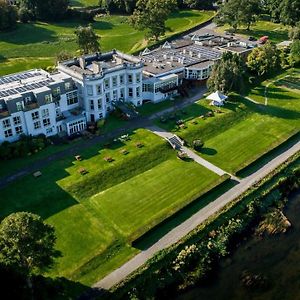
[100, 115]
[92, 105]
[48, 99]
[106, 83]
[107, 97]
[122, 94]
[121, 79]
[6, 123]
[37, 125]
[56, 91]
[99, 103]
[72, 98]
[89, 89]
[45, 113]
[68, 86]
[99, 89]
[138, 78]
[115, 95]
[35, 115]
[46, 122]
[19, 106]
[114, 81]
[49, 130]
[130, 92]
[19, 129]
[27, 99]
[108, 109]
[17, 120]
[129, 78]
[8, 133]
[138, 94]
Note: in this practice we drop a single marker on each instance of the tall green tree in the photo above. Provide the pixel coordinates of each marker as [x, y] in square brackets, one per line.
[227, 74]
[8, 16]
[27, 243]
[87, 39]
[263, 60]
[295, 52]
[290, 12]
[151, 15]
[238, 12]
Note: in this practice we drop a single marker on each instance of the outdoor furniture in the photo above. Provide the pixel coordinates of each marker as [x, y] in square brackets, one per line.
[82, 171]
[139, 145]
[37, 174]
[78, 157]
[124, 151]
[108, 159]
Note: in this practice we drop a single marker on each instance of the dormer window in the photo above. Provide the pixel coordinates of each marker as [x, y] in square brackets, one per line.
[56, 91]
[48, 99]
[68, 86]
[27, 99]
[19, 106]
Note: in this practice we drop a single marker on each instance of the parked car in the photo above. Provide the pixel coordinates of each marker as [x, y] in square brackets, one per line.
[263, 39]
[251, 39]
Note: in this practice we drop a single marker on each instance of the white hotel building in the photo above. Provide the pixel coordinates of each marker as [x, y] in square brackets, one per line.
[86, 89]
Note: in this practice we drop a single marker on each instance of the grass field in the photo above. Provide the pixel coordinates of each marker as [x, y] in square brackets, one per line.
[84, 3]
[96, 216]
[275, 31]
[243, 131]
[37, 44]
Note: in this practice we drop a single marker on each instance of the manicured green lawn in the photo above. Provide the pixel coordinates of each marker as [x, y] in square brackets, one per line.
[97, 215]
[37, 44]
[242, 131]
[275, 31]
[84, 3]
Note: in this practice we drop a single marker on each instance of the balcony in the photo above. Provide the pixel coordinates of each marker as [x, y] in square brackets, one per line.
[56, 97]
[30, 105]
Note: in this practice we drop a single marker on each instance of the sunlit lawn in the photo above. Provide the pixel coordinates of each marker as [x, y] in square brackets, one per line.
[36, 44]
[97, 215]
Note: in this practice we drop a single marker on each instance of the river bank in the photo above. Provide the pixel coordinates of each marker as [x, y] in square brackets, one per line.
[274, 258]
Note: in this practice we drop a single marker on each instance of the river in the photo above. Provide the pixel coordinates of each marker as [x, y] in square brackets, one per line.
[277, 258]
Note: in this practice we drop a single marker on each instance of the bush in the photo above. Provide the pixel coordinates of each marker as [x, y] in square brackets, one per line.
[198, 145]
[25, 15]
[25, 146]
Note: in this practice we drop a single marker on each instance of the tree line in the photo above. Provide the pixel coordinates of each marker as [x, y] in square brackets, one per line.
[246, 12]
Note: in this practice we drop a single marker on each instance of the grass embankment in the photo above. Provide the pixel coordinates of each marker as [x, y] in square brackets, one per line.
[36, 44]
[242, 131]
[97, 215]
[198, 252]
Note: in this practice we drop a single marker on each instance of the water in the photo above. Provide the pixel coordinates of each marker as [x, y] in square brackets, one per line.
[275, 257]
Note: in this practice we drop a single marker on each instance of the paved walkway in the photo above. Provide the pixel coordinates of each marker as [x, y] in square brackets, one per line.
[140, 122]
[184, 228]
[198, 159]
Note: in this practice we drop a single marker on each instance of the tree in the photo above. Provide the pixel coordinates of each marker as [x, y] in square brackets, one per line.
[8, 16]
[238, 12]
[87, 39]
[290, 12]
[227, 74]
[263, 60]
[199, 4]
[45, 9]
[151, 15]
[27, 243]
[272, 8]
[294, 32]
[198, 145]
[295, 52]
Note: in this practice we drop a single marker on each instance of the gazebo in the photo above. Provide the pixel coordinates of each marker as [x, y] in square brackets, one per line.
[217, 98]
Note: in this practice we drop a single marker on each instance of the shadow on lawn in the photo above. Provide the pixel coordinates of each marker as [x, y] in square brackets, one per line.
[28, 34]
[156, 233]
[208, 151]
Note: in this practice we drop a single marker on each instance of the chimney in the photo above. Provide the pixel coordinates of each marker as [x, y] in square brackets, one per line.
[96, 67]
[82, 63]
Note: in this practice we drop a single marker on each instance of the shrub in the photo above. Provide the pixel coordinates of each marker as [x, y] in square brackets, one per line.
[198, 145]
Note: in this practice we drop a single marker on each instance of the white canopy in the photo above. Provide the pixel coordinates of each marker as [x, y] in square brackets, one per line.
[217, 97]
